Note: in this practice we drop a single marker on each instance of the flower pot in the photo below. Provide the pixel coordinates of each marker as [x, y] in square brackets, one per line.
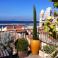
[22, 54]
[35, 46]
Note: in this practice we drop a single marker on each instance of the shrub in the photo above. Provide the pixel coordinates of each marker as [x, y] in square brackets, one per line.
[54, 54]
[50, 27]
[48, 49]
[22, 45]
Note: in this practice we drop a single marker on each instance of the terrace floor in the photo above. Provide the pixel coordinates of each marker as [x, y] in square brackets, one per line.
[40, 55]
[34, 56]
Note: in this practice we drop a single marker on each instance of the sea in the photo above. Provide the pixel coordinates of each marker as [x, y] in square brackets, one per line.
[26, 23]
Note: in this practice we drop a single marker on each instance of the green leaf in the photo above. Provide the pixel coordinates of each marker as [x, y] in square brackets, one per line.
[56, 4]
[50, 0]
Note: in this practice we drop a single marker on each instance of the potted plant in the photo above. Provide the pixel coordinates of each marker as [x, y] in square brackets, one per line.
[54, 54]
[35, 42]
[22, 47]
[48, 49]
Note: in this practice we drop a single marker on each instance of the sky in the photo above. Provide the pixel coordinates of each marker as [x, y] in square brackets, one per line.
[22, 8]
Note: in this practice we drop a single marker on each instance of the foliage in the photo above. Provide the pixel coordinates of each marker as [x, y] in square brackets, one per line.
[48, 49]
[55, 13]
[54, 54]
[35, 25]
[50, 27]
[22, 44]
[55, 3]
[53, 0]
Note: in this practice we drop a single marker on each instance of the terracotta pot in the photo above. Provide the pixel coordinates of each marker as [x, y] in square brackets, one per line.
[35, 46]
[22, 54]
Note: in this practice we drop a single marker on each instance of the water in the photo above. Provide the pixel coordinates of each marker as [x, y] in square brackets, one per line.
[3, 23]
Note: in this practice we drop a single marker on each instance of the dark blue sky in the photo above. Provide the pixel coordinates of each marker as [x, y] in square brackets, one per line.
[22, 8]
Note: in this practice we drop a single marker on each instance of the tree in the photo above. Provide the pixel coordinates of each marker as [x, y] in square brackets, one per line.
[55, 3]
[54, 0]
[55, 13]
[35, 24]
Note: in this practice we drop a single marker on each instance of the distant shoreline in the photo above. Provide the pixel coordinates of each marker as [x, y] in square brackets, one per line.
[25, 23]
[6, 22]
